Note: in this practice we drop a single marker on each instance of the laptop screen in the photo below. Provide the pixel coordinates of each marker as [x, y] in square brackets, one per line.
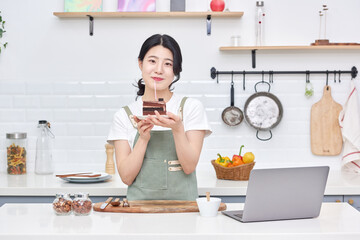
[285, 193]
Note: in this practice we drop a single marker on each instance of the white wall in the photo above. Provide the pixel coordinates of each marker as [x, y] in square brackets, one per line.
[52, 69]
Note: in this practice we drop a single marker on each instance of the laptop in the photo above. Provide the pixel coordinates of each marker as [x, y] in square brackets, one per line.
[282, 194]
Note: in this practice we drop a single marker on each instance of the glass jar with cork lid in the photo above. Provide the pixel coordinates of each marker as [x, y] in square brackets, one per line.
[16, 145]
[62, 204]
[82, 204]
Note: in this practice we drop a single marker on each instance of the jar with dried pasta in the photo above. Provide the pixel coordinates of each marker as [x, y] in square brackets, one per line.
[16, 153]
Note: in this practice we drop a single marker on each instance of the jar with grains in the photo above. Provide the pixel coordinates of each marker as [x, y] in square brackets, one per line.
[16, 153]
[82, 204]
[62, 204]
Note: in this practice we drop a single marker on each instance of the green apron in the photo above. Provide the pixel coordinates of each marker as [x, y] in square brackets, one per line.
[161, 176]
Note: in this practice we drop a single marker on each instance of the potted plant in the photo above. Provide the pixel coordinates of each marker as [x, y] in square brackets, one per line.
[2, 30]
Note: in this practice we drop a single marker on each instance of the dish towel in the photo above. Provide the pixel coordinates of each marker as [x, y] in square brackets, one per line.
[349, 120]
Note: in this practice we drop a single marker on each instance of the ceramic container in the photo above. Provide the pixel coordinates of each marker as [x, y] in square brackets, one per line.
[208, 208]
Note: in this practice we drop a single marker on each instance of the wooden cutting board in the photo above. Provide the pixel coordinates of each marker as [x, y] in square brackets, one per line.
[326, 138]
[155, 206]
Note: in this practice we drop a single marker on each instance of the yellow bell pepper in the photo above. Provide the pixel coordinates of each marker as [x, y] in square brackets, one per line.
[223, 161]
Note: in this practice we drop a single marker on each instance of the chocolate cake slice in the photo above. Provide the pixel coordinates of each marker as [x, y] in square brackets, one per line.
[149, 107]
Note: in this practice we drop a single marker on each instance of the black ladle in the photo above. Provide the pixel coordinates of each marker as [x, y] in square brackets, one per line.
[232, 115]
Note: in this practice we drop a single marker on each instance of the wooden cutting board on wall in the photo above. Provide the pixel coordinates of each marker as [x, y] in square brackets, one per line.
[326, 137]
[155, 206]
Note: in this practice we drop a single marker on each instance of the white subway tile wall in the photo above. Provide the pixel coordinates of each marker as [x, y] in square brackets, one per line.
[81, 121]
[78, 82]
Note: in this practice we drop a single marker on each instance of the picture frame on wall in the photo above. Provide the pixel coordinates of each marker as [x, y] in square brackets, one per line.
[83, 5]
[136, 5]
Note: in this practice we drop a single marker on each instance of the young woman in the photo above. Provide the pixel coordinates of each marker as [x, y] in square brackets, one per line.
[157, 156]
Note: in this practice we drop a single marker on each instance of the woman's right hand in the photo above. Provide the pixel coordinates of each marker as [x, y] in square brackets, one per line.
[144, 127]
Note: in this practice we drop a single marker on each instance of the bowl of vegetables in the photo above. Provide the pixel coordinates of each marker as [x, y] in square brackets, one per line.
[237, 168]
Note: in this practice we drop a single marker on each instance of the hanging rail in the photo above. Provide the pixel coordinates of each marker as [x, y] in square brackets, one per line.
[214, 73]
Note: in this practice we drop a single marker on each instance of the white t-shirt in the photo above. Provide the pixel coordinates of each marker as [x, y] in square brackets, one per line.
[194, 118]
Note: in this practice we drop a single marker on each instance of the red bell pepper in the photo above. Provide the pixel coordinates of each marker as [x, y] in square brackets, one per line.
[237, 159]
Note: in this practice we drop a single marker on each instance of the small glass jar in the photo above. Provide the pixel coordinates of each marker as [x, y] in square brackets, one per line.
[82, 204]
[62, 204]
[16, 153]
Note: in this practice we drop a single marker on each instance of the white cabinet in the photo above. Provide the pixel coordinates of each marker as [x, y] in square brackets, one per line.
[353, 201]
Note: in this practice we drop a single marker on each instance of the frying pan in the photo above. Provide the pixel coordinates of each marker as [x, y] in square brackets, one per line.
[263, 111]
[232, 115]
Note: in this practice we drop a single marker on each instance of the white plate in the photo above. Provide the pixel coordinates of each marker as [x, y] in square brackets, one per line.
[144, 117]
[89, 180]
[103, 177]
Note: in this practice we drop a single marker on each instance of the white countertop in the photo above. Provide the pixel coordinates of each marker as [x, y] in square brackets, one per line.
[30, 184]
[38, 221]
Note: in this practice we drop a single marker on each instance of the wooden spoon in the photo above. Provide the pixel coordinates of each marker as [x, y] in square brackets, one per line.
[78, 175]
[116, 202]
[208, 196]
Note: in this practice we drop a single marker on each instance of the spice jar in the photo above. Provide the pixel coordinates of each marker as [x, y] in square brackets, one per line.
[16, 153]
[62, 204]
[82, 204]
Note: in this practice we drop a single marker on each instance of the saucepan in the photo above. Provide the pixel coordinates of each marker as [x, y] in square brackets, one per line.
[263, 111]
[232, 115]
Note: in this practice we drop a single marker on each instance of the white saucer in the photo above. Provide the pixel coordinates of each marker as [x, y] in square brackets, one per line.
[144, 117]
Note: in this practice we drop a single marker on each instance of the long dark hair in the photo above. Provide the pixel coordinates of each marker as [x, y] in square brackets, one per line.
[167, 42]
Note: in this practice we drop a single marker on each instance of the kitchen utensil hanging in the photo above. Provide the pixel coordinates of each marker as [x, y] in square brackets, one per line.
[263, 111]
[232, 115]
[309, 88]
[325, 132]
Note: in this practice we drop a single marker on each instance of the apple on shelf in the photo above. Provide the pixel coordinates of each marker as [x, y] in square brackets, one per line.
[217, 5]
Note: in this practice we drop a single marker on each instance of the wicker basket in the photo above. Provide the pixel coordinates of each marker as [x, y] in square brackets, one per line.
[241, 172]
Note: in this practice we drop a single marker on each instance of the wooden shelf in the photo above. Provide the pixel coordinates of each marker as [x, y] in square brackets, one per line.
[92, 15]
[253, 49]
[325, 47]
[147, 14]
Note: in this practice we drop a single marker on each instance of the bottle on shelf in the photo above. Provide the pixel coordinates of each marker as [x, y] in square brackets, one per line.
[43, 158]
[259, 23]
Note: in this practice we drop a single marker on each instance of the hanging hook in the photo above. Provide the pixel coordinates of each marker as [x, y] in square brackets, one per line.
[232, 77]
[262, 76]
[244, 80]
[307, 76]
[339, 76]
[271, 76]
[327, 77]
[335, 76]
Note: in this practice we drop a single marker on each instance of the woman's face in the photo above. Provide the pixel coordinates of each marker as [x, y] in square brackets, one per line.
[157, 67]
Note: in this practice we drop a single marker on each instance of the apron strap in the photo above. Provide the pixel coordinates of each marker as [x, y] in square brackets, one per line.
[181, 108]
[131, 116]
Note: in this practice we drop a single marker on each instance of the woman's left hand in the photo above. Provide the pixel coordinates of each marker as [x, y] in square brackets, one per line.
[172, 121]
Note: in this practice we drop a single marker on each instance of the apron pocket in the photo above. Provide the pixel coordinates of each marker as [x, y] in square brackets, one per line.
[153, 174]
